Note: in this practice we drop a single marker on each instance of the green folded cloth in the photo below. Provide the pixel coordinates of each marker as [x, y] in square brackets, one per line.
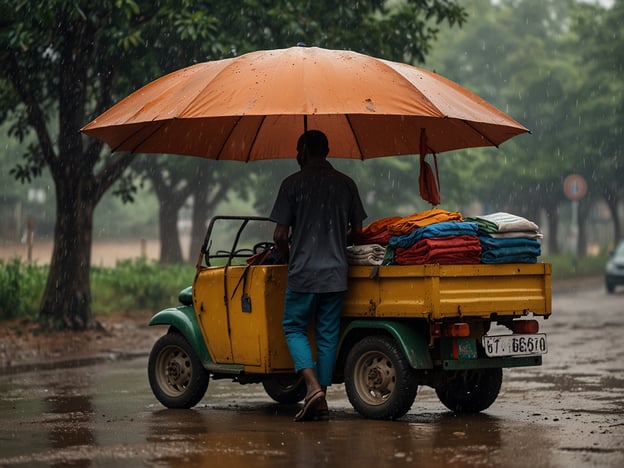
[484, 224]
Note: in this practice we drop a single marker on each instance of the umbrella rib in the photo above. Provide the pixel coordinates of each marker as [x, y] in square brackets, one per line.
[226, 139]
[359, 147]
[255, 138]
[480, 133]
[133, 150]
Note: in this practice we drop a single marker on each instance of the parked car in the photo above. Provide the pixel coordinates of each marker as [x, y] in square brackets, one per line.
[614, 271]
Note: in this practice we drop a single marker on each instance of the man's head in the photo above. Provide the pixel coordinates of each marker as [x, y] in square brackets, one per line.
[313, 145]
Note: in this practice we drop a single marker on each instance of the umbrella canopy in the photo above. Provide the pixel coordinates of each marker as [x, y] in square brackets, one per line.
[255, 106]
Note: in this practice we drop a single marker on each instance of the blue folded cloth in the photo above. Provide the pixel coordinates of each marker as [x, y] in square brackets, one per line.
[509, 250]
[492, 256]
[488, 243]
[445, 228]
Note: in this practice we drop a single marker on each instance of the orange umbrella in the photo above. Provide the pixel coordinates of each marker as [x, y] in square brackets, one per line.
[255, 106]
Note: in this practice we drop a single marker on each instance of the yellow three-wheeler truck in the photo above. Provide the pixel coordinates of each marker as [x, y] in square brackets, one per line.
[451, 327]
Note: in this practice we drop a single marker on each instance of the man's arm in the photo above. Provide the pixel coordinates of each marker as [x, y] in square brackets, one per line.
[280, 237]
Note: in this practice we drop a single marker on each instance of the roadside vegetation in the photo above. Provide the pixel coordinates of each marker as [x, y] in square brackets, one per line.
[142, 287]
[134, 287]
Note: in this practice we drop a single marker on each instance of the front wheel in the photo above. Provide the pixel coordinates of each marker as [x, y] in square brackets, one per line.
[286, 389]
[176, 374]
[379, 381]
[471, 391]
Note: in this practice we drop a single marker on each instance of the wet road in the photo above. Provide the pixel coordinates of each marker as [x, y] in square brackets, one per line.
[567, 413]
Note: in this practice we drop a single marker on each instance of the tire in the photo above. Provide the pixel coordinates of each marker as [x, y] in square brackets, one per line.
[286, 389]
[471, 391]
[379, 381]
[610, 287]
[176, 375]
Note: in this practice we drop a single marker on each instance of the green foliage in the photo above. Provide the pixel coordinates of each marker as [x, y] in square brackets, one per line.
[21, 286]
[132, 287]
[138, 286]
[567, 266]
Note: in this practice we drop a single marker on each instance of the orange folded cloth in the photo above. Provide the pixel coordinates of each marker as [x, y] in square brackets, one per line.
[377, 231]
[379, 225]
[409, 223]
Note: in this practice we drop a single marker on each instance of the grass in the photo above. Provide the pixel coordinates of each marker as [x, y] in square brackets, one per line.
[567, 266]
[138, 286]
[132, 287]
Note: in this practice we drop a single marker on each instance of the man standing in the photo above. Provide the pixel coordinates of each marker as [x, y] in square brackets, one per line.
[318, 210]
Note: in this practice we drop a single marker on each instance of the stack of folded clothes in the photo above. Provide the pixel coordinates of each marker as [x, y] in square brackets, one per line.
[444, 243]
[508, 238]
[368, 254]
[445, 238]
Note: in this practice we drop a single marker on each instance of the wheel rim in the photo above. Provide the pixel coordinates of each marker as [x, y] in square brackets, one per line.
[375, 378]
[173, 370]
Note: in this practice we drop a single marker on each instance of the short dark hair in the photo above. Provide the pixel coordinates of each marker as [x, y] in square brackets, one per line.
[314, 142]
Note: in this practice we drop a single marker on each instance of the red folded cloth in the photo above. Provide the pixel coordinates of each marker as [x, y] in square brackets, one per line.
[449, 250]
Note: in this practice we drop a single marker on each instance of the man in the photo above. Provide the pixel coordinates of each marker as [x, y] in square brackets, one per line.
[318, 210]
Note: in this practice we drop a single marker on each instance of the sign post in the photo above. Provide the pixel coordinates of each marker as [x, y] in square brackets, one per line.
[574, 188]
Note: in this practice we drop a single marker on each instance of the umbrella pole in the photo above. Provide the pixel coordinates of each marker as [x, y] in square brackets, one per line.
[305, 123]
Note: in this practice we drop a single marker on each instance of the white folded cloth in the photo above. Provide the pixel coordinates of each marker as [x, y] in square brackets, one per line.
[367, 254]
[508, 222]
[516, 234]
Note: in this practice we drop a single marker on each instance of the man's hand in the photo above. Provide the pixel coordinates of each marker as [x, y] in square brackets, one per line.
[280, 237]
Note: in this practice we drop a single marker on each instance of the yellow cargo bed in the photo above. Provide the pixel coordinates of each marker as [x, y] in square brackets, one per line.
[445, 291]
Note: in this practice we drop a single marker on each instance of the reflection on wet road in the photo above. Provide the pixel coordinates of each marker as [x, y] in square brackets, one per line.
[567, 413]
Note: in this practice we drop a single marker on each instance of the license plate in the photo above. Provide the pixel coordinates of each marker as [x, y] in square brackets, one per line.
[514, 345]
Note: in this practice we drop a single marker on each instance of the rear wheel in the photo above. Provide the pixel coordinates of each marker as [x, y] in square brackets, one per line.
[286, 389]
[379, 381]
[471, 391]
[176, 375]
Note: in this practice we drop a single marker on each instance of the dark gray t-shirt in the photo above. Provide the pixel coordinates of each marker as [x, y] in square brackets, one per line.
[318, 203]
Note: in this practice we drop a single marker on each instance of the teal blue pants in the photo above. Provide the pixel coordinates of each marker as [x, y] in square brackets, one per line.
[325, 309]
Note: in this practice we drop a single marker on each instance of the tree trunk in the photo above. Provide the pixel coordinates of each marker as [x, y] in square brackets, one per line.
[198, 227]
[552, 218]
[612, 202]
[206, 202]
[584, 208]
[170, 249]
[66, 301]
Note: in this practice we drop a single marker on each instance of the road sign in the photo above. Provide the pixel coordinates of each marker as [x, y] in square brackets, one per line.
[574, 187]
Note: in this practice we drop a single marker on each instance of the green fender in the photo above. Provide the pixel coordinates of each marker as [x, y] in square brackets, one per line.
[186, 296]
[184, 320]
[413, 344]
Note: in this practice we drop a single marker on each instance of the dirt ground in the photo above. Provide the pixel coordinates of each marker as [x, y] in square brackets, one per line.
[103, 253]
[23, 346]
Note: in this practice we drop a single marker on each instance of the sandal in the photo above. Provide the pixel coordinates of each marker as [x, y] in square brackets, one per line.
[310, 407]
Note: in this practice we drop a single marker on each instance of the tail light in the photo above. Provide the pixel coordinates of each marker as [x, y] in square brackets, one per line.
[524, 326]
[454, 330]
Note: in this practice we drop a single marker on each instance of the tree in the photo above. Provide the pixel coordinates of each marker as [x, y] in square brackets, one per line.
[599, 40]
[396, 30]
[73, 59]
[522, 56]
